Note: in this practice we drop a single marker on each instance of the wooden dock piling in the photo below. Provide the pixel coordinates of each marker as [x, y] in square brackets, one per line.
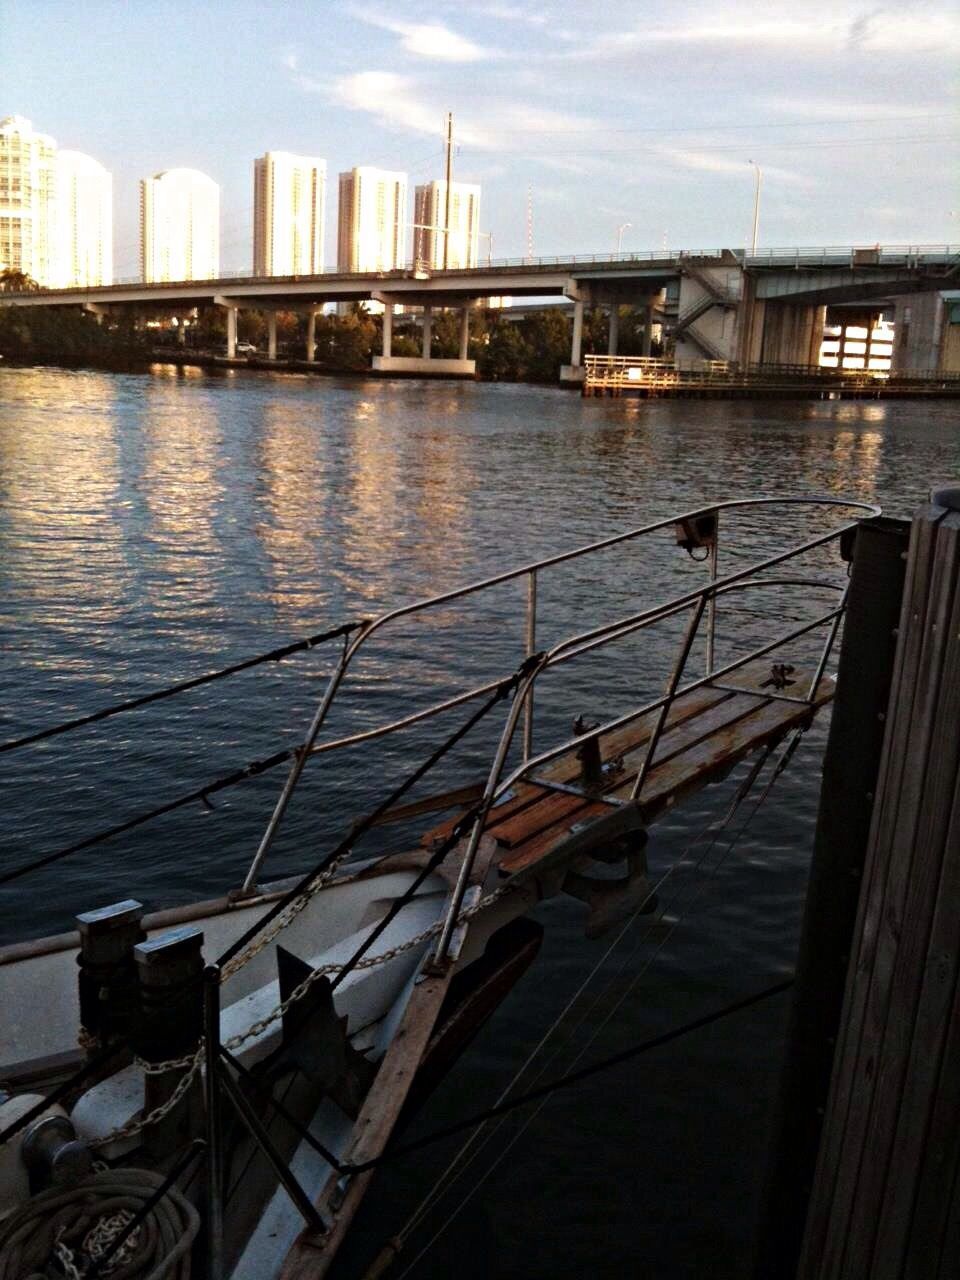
[886, 1193]
[850, 770]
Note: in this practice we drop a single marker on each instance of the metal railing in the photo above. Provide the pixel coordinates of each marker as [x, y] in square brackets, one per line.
[702, 600]
[915, 255]
[623, 372]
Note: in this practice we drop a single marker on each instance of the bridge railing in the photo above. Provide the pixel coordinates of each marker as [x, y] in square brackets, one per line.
[917, 255]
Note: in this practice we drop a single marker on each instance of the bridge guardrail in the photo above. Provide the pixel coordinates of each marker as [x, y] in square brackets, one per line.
[841, 255]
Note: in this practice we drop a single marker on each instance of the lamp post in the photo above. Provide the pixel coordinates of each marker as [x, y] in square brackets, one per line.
[756, 205]
[620, 230]
[488, 235]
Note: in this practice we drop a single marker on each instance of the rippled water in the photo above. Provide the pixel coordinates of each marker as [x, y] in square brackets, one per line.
[156, 526]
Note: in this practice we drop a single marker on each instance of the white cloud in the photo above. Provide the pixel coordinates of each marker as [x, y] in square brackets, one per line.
[429, 40]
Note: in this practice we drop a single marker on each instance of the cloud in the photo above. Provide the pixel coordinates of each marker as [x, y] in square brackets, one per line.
[429, 40]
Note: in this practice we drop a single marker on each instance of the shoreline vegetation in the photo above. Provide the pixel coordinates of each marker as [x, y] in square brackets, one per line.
[530, 348]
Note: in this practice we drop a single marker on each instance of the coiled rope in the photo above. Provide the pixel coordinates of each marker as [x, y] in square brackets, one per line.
[74, 1230]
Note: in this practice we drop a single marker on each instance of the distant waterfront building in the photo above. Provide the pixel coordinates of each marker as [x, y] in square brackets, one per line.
[179, 226]
[289, 195]
[27, 195]
[84, 221]
[430, 229]
[373, 206]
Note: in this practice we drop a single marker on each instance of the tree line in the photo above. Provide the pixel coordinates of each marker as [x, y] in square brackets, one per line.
[506, 348]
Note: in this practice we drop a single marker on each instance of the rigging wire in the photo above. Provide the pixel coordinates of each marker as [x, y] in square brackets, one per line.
[435, 1195]
[274, 655]
[451, 1174]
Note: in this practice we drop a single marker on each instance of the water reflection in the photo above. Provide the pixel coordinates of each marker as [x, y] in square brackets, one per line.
[182, 487]
[61, 504]
[294, 505]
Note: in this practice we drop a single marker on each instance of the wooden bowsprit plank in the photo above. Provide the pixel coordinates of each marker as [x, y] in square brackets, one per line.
[566, 769]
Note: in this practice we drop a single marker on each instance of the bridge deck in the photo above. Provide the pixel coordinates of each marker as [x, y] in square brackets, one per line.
[706, 733]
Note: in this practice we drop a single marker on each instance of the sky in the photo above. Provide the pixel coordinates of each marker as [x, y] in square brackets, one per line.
[593, 115]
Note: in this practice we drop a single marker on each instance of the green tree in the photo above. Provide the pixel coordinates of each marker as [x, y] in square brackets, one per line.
[13, 280]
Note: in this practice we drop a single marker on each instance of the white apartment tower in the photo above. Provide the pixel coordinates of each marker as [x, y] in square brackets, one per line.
[84, 221]
[289, 194]
[373, 209]
[179, 226]
[430, 228]
[27, 194]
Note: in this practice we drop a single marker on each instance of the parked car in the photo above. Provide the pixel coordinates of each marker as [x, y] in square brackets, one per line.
[246, 349]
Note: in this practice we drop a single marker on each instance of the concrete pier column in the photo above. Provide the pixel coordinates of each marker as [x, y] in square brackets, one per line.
[427, 331]
[387, 329]
[231, 333]
[182, 333]
[613, 331]
[311, 336]
[271, 335]
[577, 342]
[464, 332]
[647, 331]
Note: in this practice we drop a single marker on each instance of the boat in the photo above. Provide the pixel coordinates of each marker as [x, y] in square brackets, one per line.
[234, 1072]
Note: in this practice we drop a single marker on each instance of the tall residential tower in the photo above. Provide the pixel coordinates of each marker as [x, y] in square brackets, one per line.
[179, 226]
[27, 195]
[289, 195]
[373, 210]
[430, 228]
[84, 221]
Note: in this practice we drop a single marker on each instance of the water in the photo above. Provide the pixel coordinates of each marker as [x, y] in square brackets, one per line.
[156, 526]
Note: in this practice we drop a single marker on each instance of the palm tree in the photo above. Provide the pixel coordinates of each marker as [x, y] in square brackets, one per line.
[12, 280]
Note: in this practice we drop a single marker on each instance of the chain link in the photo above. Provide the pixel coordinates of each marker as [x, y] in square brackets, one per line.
[192, 1063]
[285, 918]
[140, 1122]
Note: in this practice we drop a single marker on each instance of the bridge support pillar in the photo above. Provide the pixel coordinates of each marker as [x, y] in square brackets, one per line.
[387, 329]
[181, 332]
[613, 330]
[271, 335]
[311, 353]
[647, 331]
[464, 332]
[427, 331]
[231, 333]
[573, 372]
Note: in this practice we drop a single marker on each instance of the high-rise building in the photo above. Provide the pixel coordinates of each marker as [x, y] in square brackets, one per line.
[289, 194]
[179, 226]
[373, 209]
[84, 221]
[27, 193]
[430, 227]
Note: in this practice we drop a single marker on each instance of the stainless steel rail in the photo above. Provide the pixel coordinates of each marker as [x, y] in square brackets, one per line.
[566, 650]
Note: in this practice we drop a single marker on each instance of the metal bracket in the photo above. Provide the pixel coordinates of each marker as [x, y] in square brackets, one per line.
[566, 789]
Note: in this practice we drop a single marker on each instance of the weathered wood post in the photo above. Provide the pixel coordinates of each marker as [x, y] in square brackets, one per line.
[850, 768]
[886, 1195]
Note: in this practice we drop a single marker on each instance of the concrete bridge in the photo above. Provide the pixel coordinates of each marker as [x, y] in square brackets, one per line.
[763, 308]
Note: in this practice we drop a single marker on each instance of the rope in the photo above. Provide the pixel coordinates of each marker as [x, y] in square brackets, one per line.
[251, 770]
[274, 655]
[56, 1225]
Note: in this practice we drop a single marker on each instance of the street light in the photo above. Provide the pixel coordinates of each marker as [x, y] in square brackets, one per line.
[620, 230]
[489, 238]
[756, 205]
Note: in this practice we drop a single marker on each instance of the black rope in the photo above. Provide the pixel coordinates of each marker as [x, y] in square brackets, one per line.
[275, 655]
[522, 1100]
[251, 770]
[364, 825]
[145, 1209]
